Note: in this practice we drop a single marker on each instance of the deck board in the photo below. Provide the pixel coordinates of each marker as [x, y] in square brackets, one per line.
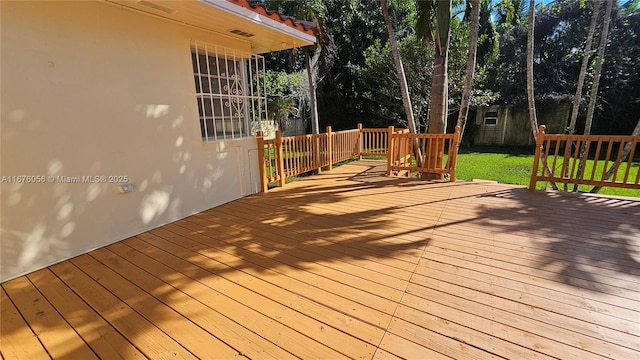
[103, 339]
[18, 339]
[350, 264]
[57, 336]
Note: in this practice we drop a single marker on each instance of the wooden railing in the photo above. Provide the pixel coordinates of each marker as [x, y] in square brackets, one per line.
[284, 157]
[437, 153]
[344, 145]
[606, 164]
[301, 154]
[374, 142]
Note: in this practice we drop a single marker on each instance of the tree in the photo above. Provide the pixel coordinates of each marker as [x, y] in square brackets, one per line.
[402, 78]
[583, 68]
[509, 14]
[593, 95]
[380, 87]
[439, 85]
[441, 34]
[577, 99]
[619, 90]
[324, 56]
[533, 121]
[471, 64]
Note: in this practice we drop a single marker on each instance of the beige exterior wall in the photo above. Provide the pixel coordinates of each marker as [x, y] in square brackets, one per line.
[91, 89]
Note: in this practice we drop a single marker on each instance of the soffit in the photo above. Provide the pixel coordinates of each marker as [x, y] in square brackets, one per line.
[266, 31]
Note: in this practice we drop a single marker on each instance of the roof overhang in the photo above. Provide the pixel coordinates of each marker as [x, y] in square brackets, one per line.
[265, 31]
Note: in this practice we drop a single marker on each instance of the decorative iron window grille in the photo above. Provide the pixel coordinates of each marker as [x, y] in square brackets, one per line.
[230, 91]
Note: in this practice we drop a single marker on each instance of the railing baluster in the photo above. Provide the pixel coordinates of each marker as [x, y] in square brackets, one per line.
[618, 161]
[606, 160]
[555, 157]
[595, 159]
[575, 158]
[630, 162]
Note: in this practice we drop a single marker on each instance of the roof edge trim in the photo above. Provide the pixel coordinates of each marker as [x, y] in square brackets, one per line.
[239, 10]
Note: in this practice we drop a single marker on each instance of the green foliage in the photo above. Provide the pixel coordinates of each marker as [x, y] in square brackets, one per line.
[358, 86]
[620, 82]
[510, 13]
[288, 96]
[487, 36]
[381, 88]
[560, 34]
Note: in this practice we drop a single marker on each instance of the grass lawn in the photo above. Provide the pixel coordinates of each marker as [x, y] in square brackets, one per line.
[514, 167]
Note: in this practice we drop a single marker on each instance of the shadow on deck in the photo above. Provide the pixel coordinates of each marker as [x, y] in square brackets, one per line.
[350, 264]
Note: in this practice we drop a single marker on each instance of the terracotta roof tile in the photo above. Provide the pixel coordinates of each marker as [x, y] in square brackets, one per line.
[300, 25]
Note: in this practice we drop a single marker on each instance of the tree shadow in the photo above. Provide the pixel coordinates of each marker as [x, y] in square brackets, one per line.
[588, 241]
[326, 258]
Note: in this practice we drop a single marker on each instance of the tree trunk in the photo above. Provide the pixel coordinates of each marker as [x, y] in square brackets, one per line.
[613, 169]
[315, 127]
[471, 65]
[440, 83]
[438, 109]
[593, 95]
[402, 79]
[533, 121]
[583, 67]
[577, 99]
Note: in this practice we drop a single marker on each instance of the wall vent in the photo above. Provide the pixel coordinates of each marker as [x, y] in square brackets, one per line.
[155, 6]
[241, 33]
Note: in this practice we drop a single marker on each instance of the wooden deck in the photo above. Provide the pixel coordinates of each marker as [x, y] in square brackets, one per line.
[348, 264]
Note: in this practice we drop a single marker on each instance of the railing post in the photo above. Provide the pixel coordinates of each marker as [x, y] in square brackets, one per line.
[454, 156]
[261, 162]
[359, 141]
[329, 147]
[390, 143]
[280, 157]
[536, 158]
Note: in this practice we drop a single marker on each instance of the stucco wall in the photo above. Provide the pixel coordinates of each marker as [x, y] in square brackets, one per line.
[91, 89]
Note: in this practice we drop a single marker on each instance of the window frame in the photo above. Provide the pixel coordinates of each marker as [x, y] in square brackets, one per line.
[488, 116]
[230, 91]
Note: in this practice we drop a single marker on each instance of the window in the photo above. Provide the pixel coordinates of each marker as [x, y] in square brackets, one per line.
[230, 91]
[491, 118]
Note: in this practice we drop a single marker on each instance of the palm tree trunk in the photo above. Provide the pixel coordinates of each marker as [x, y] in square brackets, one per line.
[533, 121]
[440, 83]
[315, 127]
[402, 78]
[583, 67]
[578, 97]
[593, 95]
[438, 110]
[471, 65]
